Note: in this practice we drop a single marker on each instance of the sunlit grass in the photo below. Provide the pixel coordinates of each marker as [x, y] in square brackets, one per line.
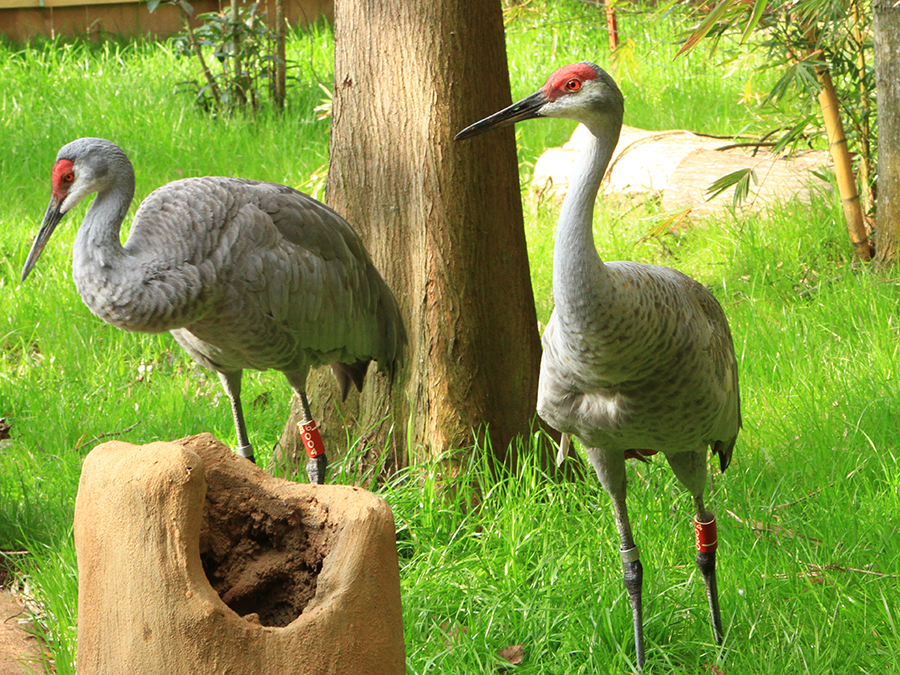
[807, 512]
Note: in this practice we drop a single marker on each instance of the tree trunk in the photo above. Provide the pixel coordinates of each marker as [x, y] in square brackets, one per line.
[442, 221]
[887, 77]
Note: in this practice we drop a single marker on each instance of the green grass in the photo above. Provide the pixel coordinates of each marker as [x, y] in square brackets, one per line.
[815, 476]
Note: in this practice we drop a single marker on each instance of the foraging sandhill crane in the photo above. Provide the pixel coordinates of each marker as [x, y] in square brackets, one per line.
[638, 358]
[244, 274]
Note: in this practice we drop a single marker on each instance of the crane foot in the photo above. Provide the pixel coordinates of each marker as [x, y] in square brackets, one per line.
[634, 580]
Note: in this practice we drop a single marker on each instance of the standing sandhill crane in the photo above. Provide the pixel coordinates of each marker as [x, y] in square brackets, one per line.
[638, 359]
[244, 274]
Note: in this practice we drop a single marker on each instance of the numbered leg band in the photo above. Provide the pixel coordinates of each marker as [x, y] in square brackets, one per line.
[705, 535]
[312, 439]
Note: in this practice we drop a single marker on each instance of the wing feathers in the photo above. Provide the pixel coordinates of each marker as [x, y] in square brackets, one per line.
[285, 281]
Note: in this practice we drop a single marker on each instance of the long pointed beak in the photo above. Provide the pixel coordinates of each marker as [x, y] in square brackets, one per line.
[526, 109]
[51, 220]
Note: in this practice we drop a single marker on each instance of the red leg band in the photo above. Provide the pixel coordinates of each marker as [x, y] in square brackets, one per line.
[312, 439]
[705, 535]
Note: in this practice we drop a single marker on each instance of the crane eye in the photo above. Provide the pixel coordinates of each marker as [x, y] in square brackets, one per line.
[573, 85]
[69, 177]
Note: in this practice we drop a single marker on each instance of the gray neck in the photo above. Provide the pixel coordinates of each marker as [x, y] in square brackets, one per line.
[98, 247]
[109, 279]
[578, 271]
[98, 252]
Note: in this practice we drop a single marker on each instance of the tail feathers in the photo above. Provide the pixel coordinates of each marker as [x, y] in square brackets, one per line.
[724, 450]
[640, 455]
[565, 442]
[350, 373]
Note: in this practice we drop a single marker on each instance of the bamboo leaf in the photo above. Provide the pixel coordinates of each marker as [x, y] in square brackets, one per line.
[152, 5]
[624, 59]
[793, 134]
[665, 223]
[739, 179]
[742, 188]
[705, 26]
[781, 87]
[664, 10]
[807, 76]
[758, 8]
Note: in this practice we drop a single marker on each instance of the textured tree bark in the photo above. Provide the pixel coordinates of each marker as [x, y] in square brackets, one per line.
[442, 220]
[887, 82]
[237, 86]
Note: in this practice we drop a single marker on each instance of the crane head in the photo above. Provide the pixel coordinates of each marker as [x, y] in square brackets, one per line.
[580, 91]
[82, 167]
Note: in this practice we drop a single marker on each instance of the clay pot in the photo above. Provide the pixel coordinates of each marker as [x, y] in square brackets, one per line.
[193, 560]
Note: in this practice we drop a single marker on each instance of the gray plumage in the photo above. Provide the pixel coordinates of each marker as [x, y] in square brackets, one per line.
[650, 367]
[638, 358]
[244, 274]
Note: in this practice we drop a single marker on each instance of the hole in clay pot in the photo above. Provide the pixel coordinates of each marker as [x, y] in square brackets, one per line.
[261, 554]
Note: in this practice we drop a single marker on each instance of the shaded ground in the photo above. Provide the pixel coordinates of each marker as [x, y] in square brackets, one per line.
[20, 651]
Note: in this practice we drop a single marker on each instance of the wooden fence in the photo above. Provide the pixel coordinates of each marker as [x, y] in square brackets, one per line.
[21, 20]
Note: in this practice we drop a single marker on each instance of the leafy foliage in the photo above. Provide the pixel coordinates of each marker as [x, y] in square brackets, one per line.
[739, 179]
[799, 39]
[242, 48]
[807, 572]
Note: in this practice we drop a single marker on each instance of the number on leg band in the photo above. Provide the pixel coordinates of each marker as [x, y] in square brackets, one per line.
[312, 439]
[705, 535]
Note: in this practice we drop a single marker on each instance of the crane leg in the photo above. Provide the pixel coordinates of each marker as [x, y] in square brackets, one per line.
[690, 469]
[312, 441]
[231, 382]
[706, 563]
[309, 433]
[610, 469]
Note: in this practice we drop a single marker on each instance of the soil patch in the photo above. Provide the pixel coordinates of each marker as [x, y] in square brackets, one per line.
[262, 554]
[20, 650]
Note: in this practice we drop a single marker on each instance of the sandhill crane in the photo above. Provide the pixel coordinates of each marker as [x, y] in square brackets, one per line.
[638, 358]
[244, 274]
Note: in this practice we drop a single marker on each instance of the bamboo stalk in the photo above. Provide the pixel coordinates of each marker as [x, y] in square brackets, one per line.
[843, 168]
[840, 155]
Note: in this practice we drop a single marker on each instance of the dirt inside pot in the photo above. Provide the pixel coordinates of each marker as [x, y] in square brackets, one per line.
[261, 554]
